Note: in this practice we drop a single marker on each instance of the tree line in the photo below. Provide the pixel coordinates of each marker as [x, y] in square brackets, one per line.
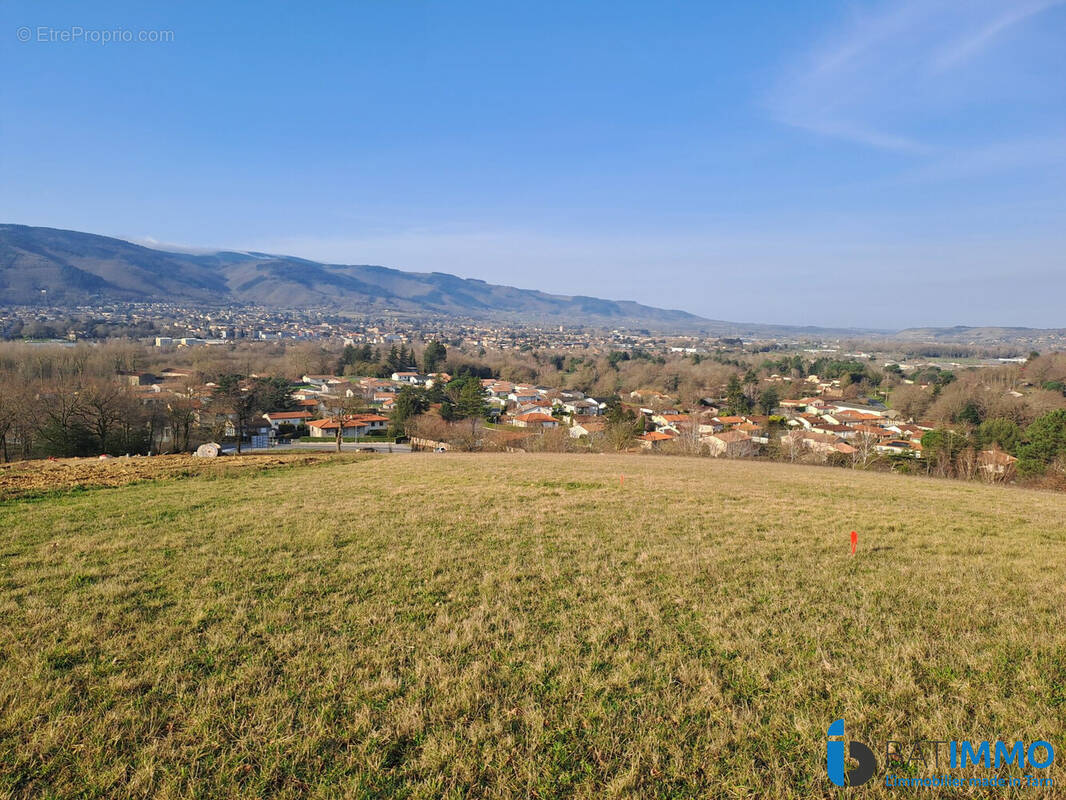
[89, 417]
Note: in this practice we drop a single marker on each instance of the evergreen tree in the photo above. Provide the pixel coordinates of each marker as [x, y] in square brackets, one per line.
[433, 356]
[274, 394]
[970, 414]
[1001, 432]
[768, 400]
[616, 412]
[1045, 441]
[736, 401]
[392, 361]
[410, 402]
[471, 400]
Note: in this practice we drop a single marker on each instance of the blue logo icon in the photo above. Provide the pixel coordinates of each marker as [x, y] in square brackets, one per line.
[834, 758]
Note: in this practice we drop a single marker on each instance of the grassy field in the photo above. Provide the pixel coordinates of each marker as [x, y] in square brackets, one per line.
[21, 479]
[518, 626]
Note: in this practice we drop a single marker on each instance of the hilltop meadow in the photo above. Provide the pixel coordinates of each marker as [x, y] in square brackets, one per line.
[497, 626]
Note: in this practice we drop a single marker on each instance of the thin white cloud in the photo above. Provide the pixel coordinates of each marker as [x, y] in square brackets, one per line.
[890, 75]
[867, 32]
[842, 130]
[970, 46]
[1008, 156]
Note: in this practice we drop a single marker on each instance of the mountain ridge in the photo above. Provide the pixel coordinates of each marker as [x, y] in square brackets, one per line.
[65, 268]
[73, 267]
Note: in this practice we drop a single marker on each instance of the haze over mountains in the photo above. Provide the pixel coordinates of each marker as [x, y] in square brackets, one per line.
[62, 268]
[66, 268]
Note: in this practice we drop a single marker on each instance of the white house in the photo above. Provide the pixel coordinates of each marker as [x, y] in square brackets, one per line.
[276, 418]
[586, 428]
[522, 395]
[588, 408]
[354, 426]
[535, 419]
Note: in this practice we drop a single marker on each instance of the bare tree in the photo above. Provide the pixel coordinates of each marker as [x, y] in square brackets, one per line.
[794, 445]
[181, 414]
[155, 417]
[238, 401]
[132, 423]
[62, 427]
[28, 418]
[101, 409]
[911, 401]
[865, 445]
[8, 416]
[967, 464]
[340, 410]
[690, 435]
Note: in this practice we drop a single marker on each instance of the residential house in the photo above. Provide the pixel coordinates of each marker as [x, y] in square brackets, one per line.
[841, 431]
[543, 406]
[729, 444]
[523, 395]
[709, 426]
[583, 407]
[140, 378]
[353, 425]
[276, 418]
[909, 430]
[899, 447]
[499, 389]
[875, 409]
[821, 444]
[664, 420]
[867, 435]
[535, 419]
[652, 439]
[257, 426]
[851, 417]
[321, 381]
[731, 419]
[586, 426]
[756, 431]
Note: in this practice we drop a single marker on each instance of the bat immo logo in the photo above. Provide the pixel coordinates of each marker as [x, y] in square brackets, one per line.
[834, 758]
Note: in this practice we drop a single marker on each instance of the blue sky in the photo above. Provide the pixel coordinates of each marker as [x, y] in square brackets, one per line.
[865, 163]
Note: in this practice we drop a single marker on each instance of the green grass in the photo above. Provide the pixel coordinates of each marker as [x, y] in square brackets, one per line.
[518, 626]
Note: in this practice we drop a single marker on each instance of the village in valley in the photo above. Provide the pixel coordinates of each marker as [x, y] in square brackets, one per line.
[753, 420]
[822, 424]
[243, 380]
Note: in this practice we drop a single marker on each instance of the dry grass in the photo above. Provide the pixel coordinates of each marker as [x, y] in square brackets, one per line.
[517, 626]
[34, 478]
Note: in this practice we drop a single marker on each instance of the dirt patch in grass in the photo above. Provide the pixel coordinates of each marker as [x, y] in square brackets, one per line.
[25, 479]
